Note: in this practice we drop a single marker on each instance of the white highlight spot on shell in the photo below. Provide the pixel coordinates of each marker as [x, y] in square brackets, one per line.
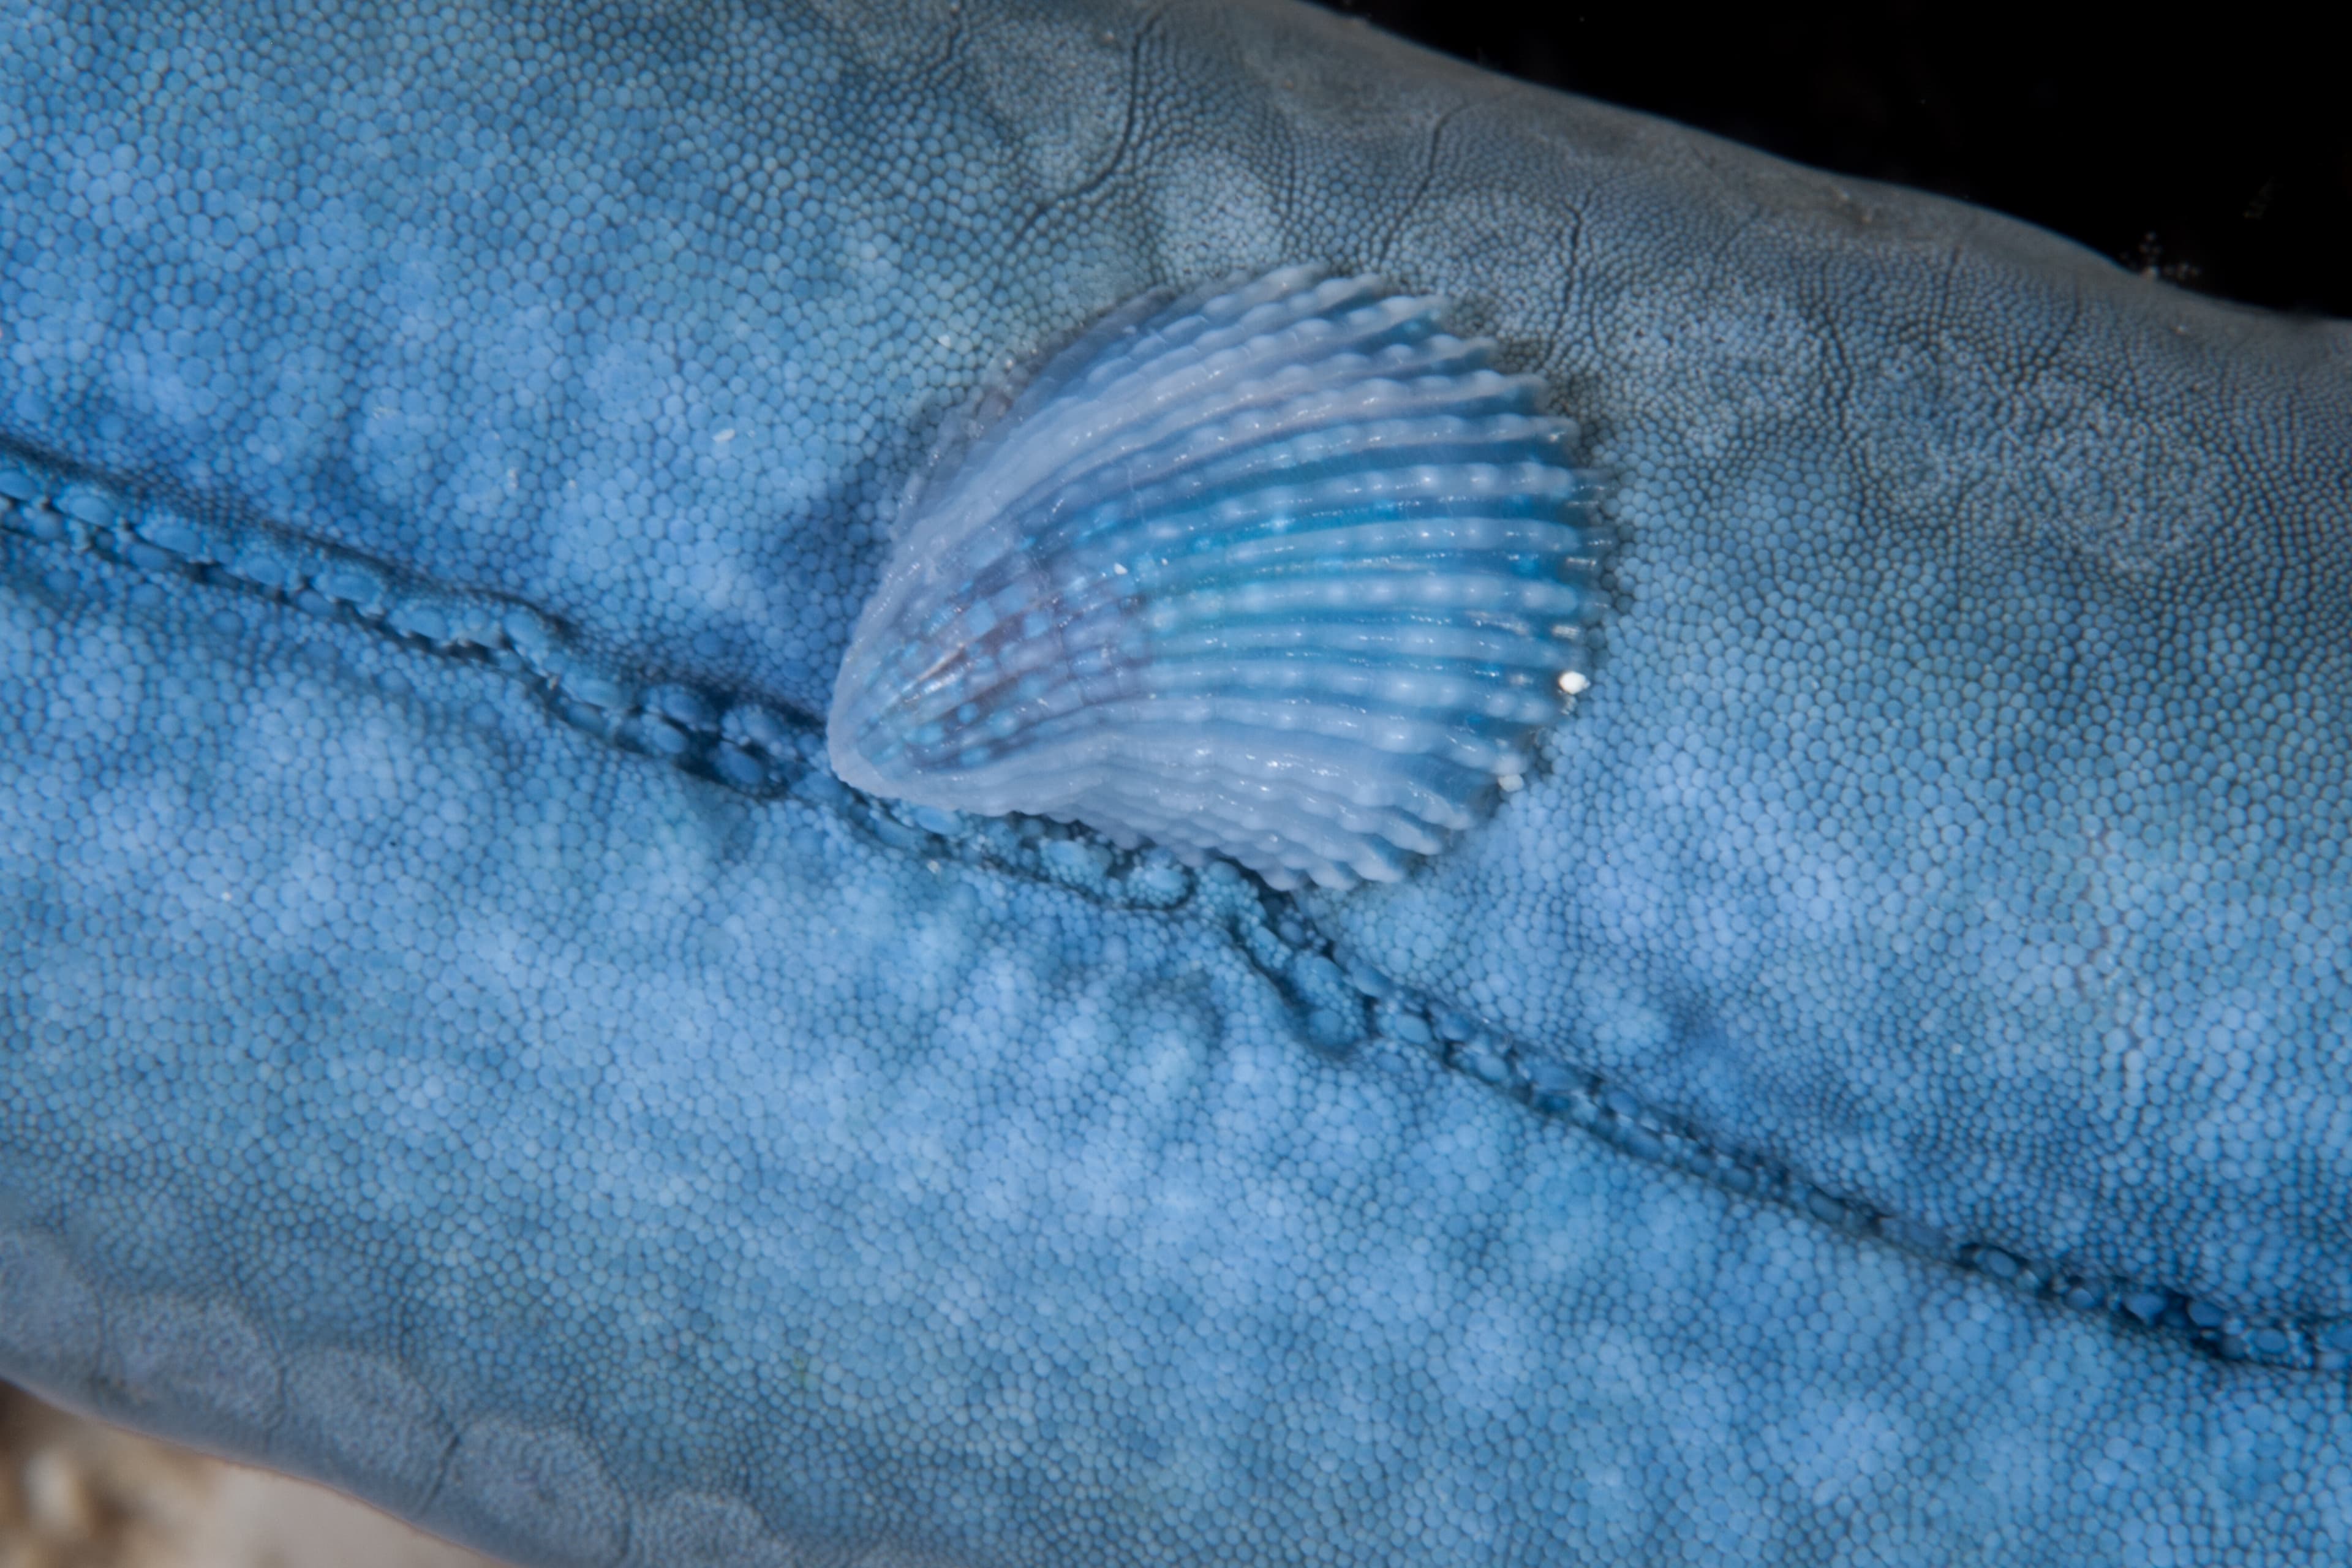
[1280, 571]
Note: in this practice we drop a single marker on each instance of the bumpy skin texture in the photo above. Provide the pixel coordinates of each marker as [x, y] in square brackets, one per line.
[602, 1165]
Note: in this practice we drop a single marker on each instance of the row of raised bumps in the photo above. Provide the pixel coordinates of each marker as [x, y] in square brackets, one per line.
[751, 748]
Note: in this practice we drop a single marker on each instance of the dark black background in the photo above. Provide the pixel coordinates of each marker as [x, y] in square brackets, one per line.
[2210, 144]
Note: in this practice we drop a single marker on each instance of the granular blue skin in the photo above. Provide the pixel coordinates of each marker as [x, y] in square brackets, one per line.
[416, 1075]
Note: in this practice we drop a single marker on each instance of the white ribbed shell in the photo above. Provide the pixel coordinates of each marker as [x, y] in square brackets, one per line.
[1280, 572]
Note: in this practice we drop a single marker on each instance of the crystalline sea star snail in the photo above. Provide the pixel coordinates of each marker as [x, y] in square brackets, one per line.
[1278, 570]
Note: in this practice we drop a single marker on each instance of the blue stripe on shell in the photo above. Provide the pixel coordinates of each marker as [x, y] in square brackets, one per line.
[1280, 571]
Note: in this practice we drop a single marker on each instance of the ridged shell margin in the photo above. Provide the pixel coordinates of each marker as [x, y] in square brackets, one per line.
[1279, 571]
